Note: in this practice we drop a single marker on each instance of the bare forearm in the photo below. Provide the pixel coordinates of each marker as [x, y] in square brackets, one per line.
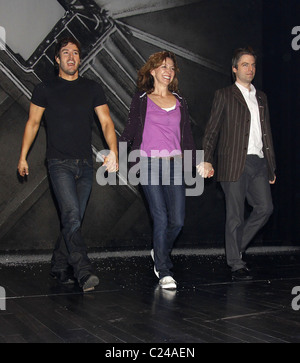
[31, 129]
[111, 138]
[28, 138]
[109, 132]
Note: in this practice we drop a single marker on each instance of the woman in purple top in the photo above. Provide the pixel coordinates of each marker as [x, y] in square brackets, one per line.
[159, 127]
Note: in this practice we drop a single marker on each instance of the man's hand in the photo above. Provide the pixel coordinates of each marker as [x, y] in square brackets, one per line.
[273, 181]
[23, 168]
[111, 162]
[205, 169]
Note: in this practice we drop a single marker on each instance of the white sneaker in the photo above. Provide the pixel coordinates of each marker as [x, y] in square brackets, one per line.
[155, 271]
[168, 282]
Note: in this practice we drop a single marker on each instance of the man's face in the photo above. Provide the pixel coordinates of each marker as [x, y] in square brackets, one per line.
[245, 70]
[68, 60]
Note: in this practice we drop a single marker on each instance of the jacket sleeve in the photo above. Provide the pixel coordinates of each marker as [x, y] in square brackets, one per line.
[268, 142]
[187, 135]
[130, 129]
[213, 126]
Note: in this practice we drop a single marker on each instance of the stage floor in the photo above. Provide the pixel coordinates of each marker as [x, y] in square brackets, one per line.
[129, 307]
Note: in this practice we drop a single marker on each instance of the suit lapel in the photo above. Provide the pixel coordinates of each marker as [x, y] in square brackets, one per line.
[238, 95]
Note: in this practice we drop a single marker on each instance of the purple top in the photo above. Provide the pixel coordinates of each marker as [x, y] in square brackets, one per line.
[161, 136]
[134, 128]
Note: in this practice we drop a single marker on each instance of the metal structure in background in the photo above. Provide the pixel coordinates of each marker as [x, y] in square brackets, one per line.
[108, 56]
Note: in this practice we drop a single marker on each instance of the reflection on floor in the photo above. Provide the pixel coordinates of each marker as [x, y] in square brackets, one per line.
[129, 307]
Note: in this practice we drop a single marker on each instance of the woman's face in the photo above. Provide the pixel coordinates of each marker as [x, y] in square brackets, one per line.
[165, 73]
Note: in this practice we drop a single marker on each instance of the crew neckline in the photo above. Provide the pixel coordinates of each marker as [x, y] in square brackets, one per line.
[67, 81]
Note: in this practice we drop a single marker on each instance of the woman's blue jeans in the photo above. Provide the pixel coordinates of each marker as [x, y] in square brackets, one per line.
[71, 180]
[164, 189]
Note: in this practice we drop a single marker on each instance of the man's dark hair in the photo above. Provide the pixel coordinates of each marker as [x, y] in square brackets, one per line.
[238, 53]
[63, 42]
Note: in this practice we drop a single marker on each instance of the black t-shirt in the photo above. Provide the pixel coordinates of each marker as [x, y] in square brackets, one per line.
[69, 113]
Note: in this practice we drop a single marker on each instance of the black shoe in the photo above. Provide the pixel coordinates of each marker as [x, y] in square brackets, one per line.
[63, 277]
[88, 282]
[243, 274]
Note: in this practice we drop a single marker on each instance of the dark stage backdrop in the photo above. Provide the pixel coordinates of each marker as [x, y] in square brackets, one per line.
[281, 78]
[117, 37]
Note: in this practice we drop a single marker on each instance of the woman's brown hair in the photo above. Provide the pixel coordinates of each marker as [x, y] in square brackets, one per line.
[145, 80]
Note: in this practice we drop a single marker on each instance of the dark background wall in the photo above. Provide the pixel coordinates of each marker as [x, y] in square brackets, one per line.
[203, 35]
[281, 82]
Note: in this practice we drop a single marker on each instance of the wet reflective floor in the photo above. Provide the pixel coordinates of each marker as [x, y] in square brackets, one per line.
[129, 307]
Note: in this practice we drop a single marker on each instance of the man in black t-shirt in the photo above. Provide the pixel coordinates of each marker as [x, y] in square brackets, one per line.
[69, 103]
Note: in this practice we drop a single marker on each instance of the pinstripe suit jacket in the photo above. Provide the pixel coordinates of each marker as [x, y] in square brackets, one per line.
[228, 131]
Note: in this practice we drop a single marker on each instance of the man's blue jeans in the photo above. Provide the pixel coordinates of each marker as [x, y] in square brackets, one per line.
[71, 180]
[164, 189]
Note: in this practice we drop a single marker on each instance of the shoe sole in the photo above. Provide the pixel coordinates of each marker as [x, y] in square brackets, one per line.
[90, 284]
[154, 269]
[171, 286]
[168, 285]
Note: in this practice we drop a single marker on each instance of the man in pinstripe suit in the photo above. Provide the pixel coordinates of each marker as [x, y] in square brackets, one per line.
[239, 128]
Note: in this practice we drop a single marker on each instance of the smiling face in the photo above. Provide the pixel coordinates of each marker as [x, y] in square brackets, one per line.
[68, 61]
[164, 74]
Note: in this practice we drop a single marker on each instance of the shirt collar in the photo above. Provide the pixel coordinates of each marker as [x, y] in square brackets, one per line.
[245, 90]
